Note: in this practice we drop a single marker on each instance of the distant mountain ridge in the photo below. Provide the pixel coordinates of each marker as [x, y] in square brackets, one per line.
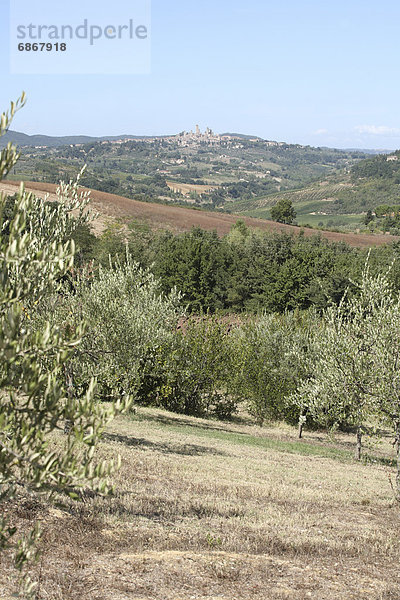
[50, 141]
[22, 139]
[370, 150]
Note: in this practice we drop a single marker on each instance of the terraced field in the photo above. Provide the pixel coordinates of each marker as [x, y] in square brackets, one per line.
[313, 205]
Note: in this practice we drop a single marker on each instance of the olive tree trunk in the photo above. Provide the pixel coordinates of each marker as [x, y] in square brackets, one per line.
[359, 443]
[397, 443]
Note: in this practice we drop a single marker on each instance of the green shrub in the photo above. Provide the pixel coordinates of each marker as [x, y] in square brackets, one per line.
[188, 374]
[35, 399]
[126, 315]
[273, 356]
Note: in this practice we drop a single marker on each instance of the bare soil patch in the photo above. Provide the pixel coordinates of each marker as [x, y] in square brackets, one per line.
[179, 219]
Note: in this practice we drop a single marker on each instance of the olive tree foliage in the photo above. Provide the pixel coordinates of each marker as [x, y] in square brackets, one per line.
[273, 357]
[385, 376]
[356, 379]
[34, 402]
[190, 372]
[125, 313]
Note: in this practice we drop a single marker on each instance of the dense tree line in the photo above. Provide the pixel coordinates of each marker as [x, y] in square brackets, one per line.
[244, 271]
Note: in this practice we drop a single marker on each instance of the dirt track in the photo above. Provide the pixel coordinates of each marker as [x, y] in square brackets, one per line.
[183, 219]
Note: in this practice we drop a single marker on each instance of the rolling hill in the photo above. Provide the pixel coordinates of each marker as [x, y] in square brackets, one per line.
[178, 219]
[39, 140]
[237, 168]
[339, 199]
[330, 189]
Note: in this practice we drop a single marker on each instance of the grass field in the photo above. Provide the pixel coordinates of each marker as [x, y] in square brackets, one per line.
[186, 188]
[304, 218]
[308, 214]
[313, 205]
[352, 221]
[210, 510]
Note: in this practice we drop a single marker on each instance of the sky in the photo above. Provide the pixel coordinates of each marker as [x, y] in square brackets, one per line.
[308, 72]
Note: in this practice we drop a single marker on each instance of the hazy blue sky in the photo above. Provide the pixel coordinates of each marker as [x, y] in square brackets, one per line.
[314, 72]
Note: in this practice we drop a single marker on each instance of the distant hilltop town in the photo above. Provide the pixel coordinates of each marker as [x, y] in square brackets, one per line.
[185, 139]
[196, 138]
[190, 138]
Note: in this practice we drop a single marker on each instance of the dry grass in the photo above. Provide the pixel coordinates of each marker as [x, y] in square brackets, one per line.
[210, 510]
[187, 188]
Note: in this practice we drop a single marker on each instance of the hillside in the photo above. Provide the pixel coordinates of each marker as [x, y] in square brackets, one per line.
[315, 204]
[177, 219]
[232, 169]
[211, 510]
[49, 141]
[339, 199]
[330, 189]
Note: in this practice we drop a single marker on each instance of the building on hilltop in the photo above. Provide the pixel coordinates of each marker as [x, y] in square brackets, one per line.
[190, 138]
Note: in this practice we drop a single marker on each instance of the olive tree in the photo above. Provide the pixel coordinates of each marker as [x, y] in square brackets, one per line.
[385, 376]
[190, 373]
[273, 357]
[344, 388]
[126, 315]
[34, 402]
